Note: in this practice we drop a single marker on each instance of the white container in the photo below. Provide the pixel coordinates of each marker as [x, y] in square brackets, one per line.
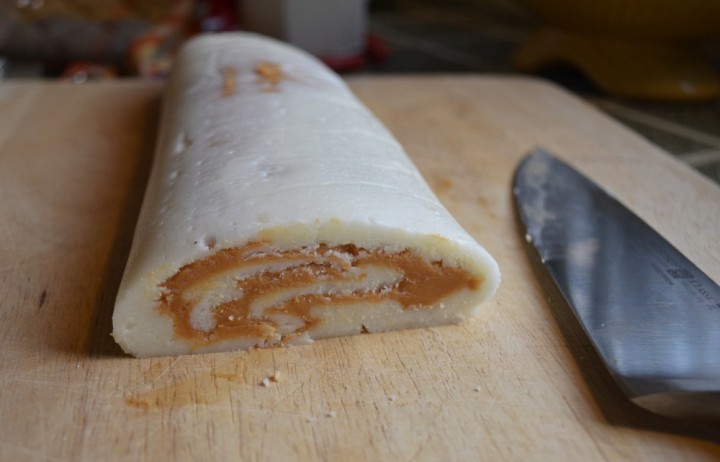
[325, 28]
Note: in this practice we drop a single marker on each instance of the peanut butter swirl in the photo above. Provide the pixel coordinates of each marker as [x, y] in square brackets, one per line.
[420, 285]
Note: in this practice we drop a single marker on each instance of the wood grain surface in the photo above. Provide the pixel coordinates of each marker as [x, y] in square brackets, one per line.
[517, 383]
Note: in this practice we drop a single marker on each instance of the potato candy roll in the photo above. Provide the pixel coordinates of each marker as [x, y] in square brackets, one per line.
[279, 211]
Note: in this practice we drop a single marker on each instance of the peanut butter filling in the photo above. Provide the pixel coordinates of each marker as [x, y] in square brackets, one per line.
[420, 285]
[229, 75]
[269, 77]
[270, 72]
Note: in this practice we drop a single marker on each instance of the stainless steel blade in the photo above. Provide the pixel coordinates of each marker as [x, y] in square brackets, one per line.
[652, 315]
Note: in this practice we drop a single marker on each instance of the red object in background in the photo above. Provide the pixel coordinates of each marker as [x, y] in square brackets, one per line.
[217, 15]
[128, 37]
[376, 51]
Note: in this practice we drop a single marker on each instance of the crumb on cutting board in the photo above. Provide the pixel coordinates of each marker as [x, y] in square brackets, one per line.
[276, 377]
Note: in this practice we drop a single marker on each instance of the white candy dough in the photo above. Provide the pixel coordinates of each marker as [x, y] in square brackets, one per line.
[263, 148]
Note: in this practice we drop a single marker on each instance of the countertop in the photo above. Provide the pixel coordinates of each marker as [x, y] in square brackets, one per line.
[463, 36]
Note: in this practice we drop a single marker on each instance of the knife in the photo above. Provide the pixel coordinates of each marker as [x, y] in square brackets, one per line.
[651, 314]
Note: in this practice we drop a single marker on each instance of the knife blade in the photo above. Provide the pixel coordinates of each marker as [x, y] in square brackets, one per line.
[651, 314]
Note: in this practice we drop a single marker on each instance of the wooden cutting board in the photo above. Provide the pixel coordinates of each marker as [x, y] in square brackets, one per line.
[517, 383]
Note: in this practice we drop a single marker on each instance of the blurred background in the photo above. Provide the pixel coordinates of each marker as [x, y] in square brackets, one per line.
[654, 65]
